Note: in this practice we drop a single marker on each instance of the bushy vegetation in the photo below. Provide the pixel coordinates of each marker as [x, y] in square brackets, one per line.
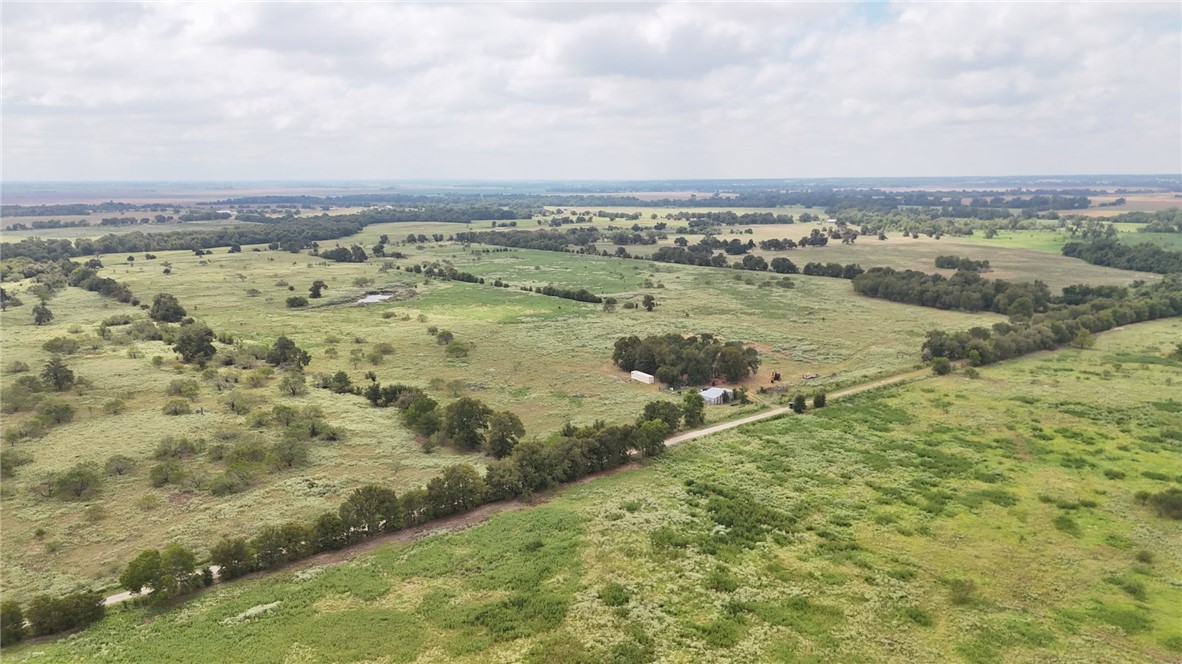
[677, 360]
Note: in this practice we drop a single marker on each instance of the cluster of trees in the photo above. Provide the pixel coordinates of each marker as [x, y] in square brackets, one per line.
[541, 239]
[961, 263]
[1110, 252]
[835, 270]
[967, 291]
[354, 254]
[47, 615]
[695, 360]
[576, 294]
[1059, 325]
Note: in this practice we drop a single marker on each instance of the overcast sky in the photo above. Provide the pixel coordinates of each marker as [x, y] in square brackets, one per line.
[588, 91]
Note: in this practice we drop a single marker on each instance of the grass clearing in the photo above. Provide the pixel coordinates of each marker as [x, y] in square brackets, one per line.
[915, 524]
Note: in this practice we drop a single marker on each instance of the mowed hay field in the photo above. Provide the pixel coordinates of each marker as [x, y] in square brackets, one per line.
[951, 520]
[546, 359]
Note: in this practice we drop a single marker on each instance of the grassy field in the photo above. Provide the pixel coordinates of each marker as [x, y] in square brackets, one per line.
[987, 520]
[545, 358]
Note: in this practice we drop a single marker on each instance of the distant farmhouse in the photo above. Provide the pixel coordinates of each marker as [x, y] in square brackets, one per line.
[717, 395]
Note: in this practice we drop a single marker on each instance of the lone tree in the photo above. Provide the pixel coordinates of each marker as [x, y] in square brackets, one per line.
[166, 309]
[798, 404]
[194, 343]
[649, 302]
[317, 287]
[286, 354]
[56, 373]
[42, 314]
[819, 400]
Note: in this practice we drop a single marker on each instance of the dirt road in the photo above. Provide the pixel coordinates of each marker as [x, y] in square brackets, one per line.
[784, 410]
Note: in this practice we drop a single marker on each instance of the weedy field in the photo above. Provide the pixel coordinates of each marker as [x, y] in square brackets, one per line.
[545, 358]
[1001, 518]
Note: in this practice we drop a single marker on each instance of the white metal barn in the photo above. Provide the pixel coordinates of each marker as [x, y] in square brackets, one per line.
[716, 395]
[642, 377]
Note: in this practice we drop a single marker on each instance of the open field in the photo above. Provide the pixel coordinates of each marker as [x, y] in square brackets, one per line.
[1147, 202]
[547, 359]
[952, 519]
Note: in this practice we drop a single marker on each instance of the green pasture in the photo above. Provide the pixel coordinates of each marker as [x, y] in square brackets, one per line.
[547, 359]
[957, 519]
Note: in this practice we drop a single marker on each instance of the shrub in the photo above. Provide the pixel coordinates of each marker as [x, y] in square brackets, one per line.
[962, 592]
[16, 366]
[184, 387]
[119, 465]
[78, 483]
[613, 594]
[61, 346]
[168, 472]
[114, 406]
[297, 301]
[177, 407]
[941, 366]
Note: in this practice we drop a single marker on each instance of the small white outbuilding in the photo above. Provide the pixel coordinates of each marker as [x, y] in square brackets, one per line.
[642, 377]
[716, 395]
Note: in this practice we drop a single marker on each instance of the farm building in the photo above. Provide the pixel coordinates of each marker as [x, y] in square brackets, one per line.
[643, 377]
[717, 395]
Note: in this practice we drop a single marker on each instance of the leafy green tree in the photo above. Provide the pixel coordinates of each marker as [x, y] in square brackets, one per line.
[284, 353]
[1083, 339]
[650, 437]
[941, 366]
[177, 565]
[166, 309]
[141, 572]
[459, 489]
[329, 532]
[233, 556]
[648, 302]
[502, 480]
[819, 400]
[194, 343]
[41, 314]
[798, 404]
[276, 545]
[693, 409]
[666, 411]
[369, 509]
[79, 482]
[12, 623]
[294, 384]
[464, 422]
[297, 301]
[317, 287]
[57, 374]
[504, 431]
[422, 415]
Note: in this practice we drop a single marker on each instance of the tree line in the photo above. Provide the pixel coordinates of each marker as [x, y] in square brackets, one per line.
[371, 510]
[1059, 325]
[966, 291]
[1111, 252]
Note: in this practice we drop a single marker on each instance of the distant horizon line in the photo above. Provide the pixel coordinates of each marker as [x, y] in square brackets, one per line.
[655, 179]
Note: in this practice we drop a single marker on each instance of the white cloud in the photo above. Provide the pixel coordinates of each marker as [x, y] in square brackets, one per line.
[595, 90]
